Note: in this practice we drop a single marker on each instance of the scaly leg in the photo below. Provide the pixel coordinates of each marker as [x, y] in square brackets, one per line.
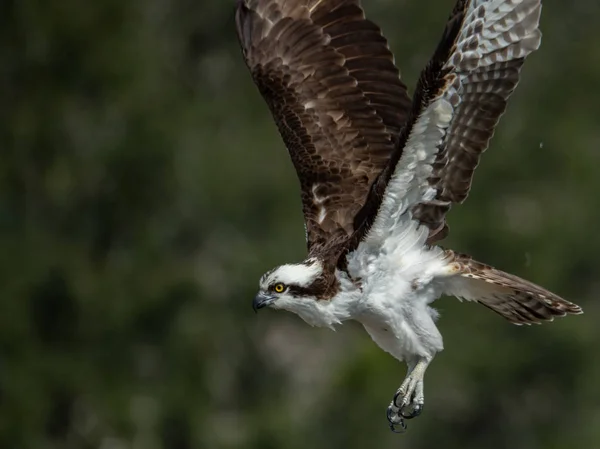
[409, 399]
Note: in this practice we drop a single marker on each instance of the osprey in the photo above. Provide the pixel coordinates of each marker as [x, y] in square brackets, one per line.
[379, 172]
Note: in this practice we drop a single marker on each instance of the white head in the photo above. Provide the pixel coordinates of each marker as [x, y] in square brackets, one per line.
[296, 288]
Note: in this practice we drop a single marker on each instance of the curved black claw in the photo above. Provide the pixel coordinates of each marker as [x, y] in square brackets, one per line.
[402, 425]
[395, 421]
[395, 400]
[417, 410]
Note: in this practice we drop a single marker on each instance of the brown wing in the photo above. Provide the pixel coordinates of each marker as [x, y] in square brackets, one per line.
[459, 99]
[330, 82]
[517, 300]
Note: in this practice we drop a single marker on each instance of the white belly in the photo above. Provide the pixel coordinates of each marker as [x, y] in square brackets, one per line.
[399, 281]
[402, 327]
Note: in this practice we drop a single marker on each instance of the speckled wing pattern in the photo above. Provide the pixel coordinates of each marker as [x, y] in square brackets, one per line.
[517, 300]
[330, 82]
[459, 99]
[494, 39]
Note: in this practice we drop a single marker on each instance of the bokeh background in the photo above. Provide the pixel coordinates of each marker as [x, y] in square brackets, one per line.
[144, 189]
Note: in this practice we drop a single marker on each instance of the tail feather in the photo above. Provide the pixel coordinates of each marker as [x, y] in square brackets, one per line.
[517, 300]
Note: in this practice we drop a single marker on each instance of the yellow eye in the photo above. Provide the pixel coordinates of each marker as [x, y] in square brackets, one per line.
[279, 288]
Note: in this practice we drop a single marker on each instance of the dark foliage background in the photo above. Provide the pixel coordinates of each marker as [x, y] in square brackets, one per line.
[144, 189]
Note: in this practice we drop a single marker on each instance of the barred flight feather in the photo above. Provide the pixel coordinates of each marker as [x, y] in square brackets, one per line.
[517, 300]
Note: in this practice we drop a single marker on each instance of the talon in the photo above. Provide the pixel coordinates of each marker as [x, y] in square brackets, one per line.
[402, 424]
[395, 419]
[390, 418]
[396, 396]
[417, 410]
[408, 399]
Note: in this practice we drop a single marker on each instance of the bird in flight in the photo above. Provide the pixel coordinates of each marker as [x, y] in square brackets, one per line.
[379, 172]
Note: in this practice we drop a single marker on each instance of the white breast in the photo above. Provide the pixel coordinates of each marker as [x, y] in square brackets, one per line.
[398, 284]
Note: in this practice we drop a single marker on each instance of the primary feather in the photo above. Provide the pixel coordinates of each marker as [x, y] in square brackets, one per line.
[329, 79]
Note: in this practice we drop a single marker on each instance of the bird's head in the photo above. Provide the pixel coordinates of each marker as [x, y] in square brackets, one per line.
[293, 287]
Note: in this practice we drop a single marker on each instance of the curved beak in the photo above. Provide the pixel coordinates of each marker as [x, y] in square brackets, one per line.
[262, 300]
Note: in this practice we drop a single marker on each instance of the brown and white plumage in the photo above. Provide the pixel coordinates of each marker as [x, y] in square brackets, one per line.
[488, 74]
[329, 79]
[517, 300]
[378, 172]
[474, 70]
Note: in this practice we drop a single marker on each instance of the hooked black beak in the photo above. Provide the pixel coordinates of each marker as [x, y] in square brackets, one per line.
[262, 300]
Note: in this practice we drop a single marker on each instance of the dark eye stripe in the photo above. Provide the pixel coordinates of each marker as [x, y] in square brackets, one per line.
[296, 290]
[317, 289]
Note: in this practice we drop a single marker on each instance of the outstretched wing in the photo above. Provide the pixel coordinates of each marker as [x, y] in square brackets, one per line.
[330, 82]
[517, 300]
[460, 97]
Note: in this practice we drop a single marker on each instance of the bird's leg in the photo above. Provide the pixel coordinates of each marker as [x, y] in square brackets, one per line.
[409, 399]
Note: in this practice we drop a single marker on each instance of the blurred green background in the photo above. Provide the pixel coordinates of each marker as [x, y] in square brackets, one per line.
[144, 189]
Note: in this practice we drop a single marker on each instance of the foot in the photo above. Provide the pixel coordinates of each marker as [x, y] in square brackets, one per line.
[395, 420]
[409, 399]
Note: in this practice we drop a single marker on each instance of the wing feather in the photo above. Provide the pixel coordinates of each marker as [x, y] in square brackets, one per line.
[517, 300]
[459, 99]
[491, 48]
[330, 82]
